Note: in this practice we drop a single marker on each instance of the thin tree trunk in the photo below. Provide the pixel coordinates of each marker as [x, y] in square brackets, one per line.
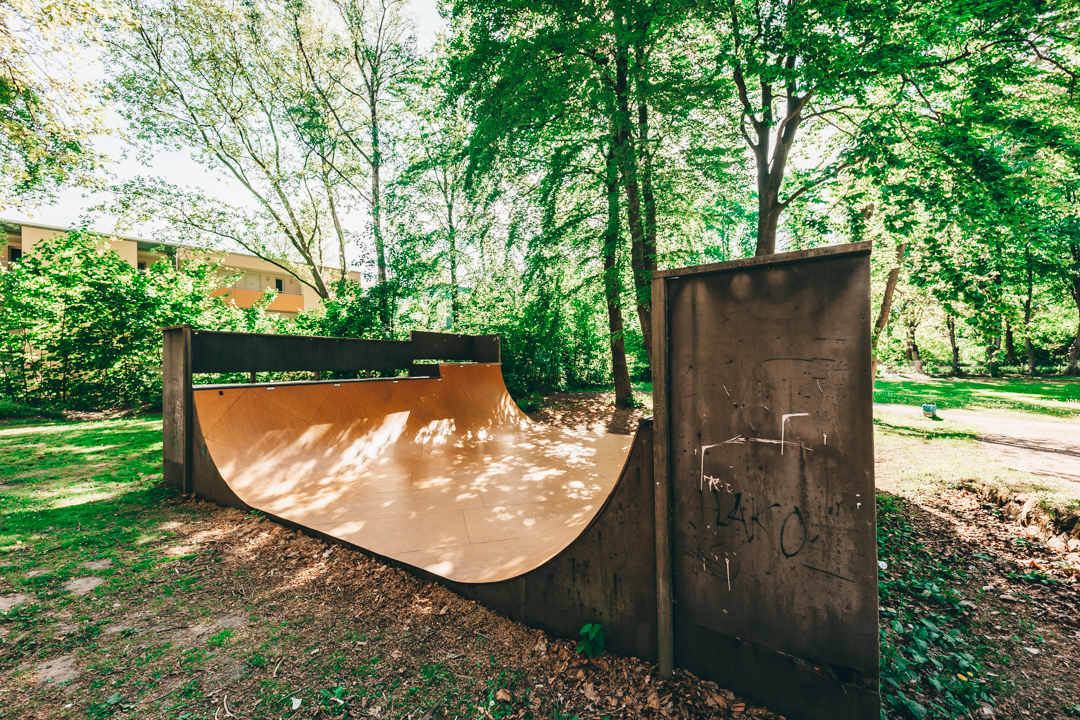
[1028, 345]
[453, 265]
[1010, 344]
[376, 207]
[620, 373]
[886, 300]
[992, 349]
[647, 197]
[337, 226]
[1074, 349]
[950, 323]
[625, 155]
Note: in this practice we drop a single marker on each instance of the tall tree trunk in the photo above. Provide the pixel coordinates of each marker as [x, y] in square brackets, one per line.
[1028, 345]
[624, 397]
[886, 300]
[913, 348]
[626, 157]
[337, 226]
[1074, 349]
[992, 349]
[648, 199]
[451, 231]
[950, 323]
[376, 207]
[1010, 345]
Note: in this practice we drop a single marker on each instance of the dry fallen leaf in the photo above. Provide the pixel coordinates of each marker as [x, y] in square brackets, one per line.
[653, 702]
[503, 695]
[590, 692]
[715, 700]
[738, 707]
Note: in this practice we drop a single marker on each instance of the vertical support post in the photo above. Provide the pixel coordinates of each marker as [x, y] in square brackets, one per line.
[661, 465]
[176, 408]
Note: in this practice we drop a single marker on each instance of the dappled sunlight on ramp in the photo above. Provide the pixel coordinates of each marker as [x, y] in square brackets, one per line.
[445, 474]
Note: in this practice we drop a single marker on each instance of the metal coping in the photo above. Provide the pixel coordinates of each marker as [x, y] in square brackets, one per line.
[776, 259]
[395, 378]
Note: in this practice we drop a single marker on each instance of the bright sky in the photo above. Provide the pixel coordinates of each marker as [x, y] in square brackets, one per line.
[71, 205]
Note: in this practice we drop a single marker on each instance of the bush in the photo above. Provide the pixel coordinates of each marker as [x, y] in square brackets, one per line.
[80, 328]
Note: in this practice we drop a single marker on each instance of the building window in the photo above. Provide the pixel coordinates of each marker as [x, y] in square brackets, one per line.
[142, 266]
[14, 254]
[280, 284]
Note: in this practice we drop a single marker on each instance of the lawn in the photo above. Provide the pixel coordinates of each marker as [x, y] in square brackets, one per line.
[1058, 397]
[122, 599]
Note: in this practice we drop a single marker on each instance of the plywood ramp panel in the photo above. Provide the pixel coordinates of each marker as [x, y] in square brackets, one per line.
[445, 474]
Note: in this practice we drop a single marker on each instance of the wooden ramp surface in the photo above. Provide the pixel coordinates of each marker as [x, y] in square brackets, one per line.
[445, 474]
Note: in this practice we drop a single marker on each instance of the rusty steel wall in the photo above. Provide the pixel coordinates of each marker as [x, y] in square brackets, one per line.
[767, 391]
[175, 407]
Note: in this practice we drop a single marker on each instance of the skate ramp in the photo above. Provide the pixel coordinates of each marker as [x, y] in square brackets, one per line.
[444, 474]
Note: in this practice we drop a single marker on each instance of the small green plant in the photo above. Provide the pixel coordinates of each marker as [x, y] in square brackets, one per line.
[220, 639]
[592, 640]
[256, 660]
[336, 701]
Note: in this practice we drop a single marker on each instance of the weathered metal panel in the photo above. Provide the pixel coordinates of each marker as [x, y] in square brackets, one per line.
[175, 405]
[449, 347]
[487, 349]
[771, 473]
[220, 352]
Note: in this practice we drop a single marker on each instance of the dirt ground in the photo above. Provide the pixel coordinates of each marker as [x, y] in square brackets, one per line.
[1043, 446]
[228, 615]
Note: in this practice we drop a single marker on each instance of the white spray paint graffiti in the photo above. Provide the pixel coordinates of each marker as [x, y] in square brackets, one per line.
[783, 426]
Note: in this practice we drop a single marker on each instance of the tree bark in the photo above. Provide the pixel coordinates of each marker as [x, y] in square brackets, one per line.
[886, 300]
[1028, 345]
[376, 207]
[992, 349]
[1010, 345]
[627, 162]
[647, 197]
[1074, 349]
[950, 323]
[913, 348]
[624, 397]
[453, 265]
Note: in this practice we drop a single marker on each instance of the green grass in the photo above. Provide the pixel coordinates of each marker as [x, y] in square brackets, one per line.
[1058, 398]
[79, 492]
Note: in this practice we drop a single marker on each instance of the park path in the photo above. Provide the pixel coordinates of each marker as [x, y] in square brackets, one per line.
[1044, 446]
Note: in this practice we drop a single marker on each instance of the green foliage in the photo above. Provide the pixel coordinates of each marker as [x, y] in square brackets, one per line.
[592, 640]
[926, 649]
[335, 701]
[80, 328]
[221, 639]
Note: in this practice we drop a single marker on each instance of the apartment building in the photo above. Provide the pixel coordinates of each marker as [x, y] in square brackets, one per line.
[244, 278]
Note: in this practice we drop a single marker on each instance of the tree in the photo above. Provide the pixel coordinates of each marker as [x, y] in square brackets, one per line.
[48, 112]
[575, 73]
[225, 80]
[826, 64]
[80, 328]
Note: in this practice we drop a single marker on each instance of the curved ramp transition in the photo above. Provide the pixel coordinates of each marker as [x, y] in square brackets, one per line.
[443, 474]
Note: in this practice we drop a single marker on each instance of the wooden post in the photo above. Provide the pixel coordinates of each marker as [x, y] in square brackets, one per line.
[176, 407]
[661, 449]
